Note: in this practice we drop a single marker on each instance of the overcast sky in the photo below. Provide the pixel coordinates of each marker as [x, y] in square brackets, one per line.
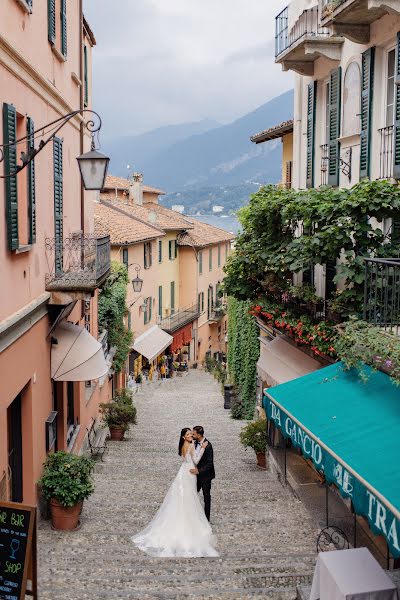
[161, 62]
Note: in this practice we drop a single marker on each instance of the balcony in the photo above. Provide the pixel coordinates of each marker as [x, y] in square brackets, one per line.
[386, 152]
[324, 164]
[298, 44]
[179, 319]
[382, 293]
[352, 18]
[79, 263]
[217, 313]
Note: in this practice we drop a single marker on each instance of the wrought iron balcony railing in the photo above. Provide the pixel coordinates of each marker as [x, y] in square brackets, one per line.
[382, 293]
[386, 153]
[324, 164]
[217, 312]
[307, 25]
[79, 263]
[179, 319]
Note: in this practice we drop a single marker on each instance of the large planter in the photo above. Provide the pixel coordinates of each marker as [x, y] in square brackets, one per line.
[261, 460]
[117, 433]
[65, 518]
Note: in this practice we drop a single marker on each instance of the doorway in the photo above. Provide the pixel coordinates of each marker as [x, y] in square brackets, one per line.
[15, 450]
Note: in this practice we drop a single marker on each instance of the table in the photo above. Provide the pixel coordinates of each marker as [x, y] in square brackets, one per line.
[351, 575]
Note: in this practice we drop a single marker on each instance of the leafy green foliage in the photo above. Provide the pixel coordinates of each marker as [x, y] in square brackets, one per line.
[120, 412]
[67, 478]
[254, 435]
[112, 310]
[243, 354]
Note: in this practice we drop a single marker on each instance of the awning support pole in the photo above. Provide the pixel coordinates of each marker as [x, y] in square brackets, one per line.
[326, 504]
[355, 529]
[387, 557]
[285, 458]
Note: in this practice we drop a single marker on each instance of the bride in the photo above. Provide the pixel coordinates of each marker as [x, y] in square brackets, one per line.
[180, 527]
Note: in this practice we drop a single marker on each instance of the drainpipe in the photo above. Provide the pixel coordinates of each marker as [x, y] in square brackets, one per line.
[81, 106]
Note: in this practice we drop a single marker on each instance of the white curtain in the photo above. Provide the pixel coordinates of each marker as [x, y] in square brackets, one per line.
[296, 8]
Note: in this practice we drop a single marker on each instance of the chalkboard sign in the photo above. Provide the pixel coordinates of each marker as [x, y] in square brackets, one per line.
[17, 530]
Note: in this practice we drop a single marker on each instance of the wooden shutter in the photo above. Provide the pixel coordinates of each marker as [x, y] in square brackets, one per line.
[159, 250]
[172, 297]
[86, 75]
[10, 166]
[170, 249]
[31, 184]
[58, 203]
[176, 248]
[160, 301]
[51, 20]
[145, 255]
[395, 230]
[396, 136]
[145, 313]
[150, 301]
[210, 257]
[367, 86]
[335, 90]
[311, 107]
[219, 255]
[150, 254]
[200, 262]
[64, 28]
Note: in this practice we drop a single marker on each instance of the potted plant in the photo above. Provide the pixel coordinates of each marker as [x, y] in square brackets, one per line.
[254, 435]
[118, 416]
[65, 483]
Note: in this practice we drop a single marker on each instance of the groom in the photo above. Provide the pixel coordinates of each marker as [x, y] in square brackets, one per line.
[205, 469]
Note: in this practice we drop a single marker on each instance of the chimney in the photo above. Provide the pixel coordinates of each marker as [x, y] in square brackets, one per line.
[136, 189]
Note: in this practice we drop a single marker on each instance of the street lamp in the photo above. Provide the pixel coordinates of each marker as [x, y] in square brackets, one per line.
[137, 282]
[93, 165]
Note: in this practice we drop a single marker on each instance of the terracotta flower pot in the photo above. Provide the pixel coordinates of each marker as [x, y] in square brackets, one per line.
[261, 460]
[65, 518]
[117, 433]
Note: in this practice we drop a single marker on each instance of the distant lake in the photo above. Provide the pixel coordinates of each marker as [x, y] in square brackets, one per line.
[229, 223]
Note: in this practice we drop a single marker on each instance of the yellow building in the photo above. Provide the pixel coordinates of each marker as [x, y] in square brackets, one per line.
[284, 131]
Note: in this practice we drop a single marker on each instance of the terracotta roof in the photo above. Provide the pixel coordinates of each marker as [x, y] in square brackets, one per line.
[203, 235]
[122, 228]
[154, 214]
[272, 133]
[120, 183]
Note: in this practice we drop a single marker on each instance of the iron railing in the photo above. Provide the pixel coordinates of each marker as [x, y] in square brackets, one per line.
[382, 293]
[179, 319]
[307, 25]
[386, 152]
[77, 263]
[324, 164]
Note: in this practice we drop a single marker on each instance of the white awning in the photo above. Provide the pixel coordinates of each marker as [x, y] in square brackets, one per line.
[77, 355]
[152, 342]
[280, 362]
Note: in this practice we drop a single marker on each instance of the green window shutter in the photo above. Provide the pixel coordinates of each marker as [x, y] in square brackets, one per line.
[160, 301]
[31, 184]
[367, 87]
[159, 250]
[145, 313]
[335, 90]
[51, 20]
[200, 263]
[170, 249]
[199, 302]
[330, 273]
[395, 231]
[129, 320]
[125, 256]
[396, 136]
[172, 296]
[150, 301]
[58, 203]
[219, 255]
[176, 248]
[145, 255]
[150, 254]
[64, 28]
[10, 166]
[210, 257]
[202, 301]
[311, 110]
[86, 75]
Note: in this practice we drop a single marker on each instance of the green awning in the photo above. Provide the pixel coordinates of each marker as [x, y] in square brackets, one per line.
[351, 431]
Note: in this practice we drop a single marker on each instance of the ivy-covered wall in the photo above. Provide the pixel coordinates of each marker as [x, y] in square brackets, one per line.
[243, 354]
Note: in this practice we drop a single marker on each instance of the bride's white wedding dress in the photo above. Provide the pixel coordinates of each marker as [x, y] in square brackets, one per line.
[180, 527]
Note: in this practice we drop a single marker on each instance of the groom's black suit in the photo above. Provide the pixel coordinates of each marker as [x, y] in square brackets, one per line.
[206, 474]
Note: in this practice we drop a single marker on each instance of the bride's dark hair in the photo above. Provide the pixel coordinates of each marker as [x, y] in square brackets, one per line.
[181, 439]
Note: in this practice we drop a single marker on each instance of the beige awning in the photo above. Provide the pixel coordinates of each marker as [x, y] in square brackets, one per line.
[280, 362]
[152, 342]
[77, 355]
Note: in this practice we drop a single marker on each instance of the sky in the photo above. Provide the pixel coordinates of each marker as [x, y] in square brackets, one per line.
[163, 62]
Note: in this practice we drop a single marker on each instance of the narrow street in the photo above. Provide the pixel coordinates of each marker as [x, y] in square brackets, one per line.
[265, 537]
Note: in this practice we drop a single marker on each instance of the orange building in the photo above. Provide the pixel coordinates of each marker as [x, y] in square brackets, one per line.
[53, 370]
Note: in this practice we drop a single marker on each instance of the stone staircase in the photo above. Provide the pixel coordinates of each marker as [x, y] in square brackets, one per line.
[265, 538]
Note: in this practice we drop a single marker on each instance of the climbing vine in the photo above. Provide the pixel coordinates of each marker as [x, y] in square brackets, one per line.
[112, 310]
[243, 353]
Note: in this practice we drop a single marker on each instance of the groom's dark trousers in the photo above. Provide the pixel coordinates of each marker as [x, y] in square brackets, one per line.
[205, 477]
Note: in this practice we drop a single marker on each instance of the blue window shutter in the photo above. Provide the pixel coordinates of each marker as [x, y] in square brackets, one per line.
[10, 166]
[64, 28]
[51, 20]
[31, 184]
[58, 203]
[396, 136]
[367, 87]
[311, 109]
[335, 91]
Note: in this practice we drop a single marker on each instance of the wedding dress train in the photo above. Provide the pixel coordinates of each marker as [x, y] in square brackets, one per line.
[180, 527]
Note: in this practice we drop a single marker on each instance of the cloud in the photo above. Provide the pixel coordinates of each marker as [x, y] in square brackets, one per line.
[159, 62]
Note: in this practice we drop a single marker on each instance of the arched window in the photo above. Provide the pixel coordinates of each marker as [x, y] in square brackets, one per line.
[351, 100]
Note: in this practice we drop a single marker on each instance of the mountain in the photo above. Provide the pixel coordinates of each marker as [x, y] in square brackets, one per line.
[138, 149]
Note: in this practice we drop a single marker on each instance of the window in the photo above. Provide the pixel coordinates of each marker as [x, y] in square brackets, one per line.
[172, 249]
[210, 259]
[129, 320]
[172, 297]
[160, 310]
[125, 256]
[200, 262]
[200, 302]
[351, 100]
[148, 260]
[85, 75]
[391, 87]
[148, 307]
[219, 255]
[159, 251]
[57, 25]
[210, 301]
